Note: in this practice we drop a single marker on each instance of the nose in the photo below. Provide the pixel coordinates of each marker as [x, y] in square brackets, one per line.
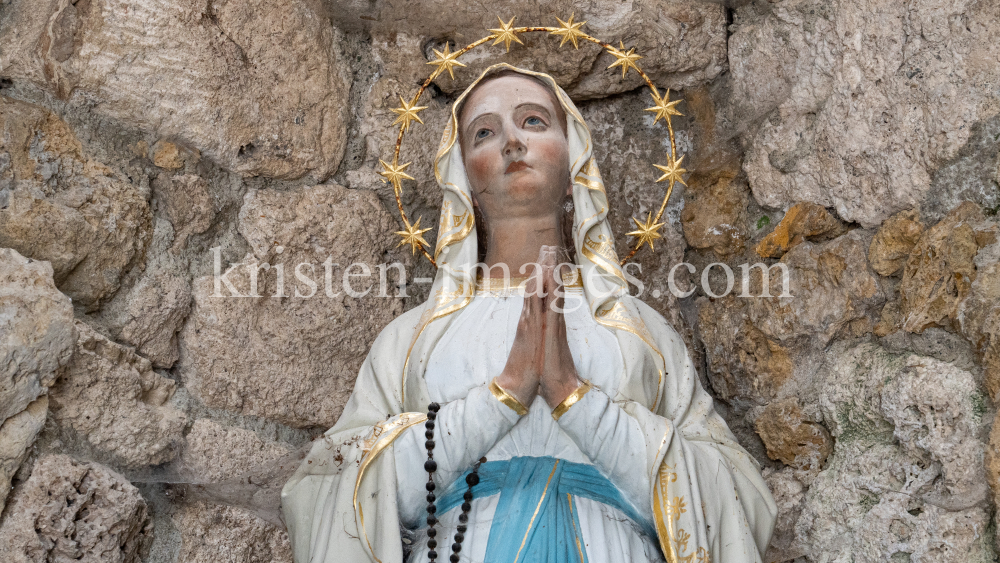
[514, 146]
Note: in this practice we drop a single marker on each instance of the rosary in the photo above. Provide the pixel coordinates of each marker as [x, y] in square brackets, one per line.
[472, 479]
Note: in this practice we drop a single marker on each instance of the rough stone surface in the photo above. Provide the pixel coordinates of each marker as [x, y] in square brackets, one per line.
[894, 241]
[804, 221]
[289, 359]
[17, 434]
[70, 510]
[791, 437]
[905, 475]
[112, 398]
[715, 213]
[219, 454]
[57, 204]
[854, 104]
[258, 88]
[36, 331]
[755, 344]
[979, 315]
[941, 268]
[683, 44]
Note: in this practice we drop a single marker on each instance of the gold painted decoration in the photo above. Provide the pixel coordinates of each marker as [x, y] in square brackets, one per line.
[568, 31]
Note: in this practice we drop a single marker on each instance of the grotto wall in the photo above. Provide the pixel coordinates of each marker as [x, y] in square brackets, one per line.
[147, 146]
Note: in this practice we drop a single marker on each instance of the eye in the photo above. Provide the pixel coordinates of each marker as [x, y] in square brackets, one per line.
[482, 134]
[533, 121]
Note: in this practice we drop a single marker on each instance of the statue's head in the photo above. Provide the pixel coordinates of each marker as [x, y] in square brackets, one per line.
[512, 131]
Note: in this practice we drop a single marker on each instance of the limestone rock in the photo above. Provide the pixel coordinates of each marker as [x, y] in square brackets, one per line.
[940, 269]
[743, 362]
[224, 456]
[714, 214]
[17, 434]
[187, 203]
[755, 344]
[831, 288]
[683, 44]
[151, 313]
[979, 315]
[56, 204]
[259, 87]
[791, 437]
[289, 358]
[855, 105]
[804, 221]
[894, 241]
[112, 398]
[788, 492]
[225, 534]
[905, 475]
[36, 331]
[215, 452]
[70, 510]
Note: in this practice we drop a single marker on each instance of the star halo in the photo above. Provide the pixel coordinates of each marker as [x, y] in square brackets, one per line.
[569, 31]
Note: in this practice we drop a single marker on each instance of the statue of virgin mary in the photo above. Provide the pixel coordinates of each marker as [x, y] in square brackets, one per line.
[615, 454]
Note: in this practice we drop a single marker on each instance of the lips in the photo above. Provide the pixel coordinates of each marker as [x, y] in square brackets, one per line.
[515, 166]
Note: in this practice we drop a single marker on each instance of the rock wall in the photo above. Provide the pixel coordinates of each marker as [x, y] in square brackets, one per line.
[165, 165]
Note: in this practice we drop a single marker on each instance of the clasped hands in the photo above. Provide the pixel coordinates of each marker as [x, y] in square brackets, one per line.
[540, 362]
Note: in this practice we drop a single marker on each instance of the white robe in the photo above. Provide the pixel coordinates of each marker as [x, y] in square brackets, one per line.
[473, 423]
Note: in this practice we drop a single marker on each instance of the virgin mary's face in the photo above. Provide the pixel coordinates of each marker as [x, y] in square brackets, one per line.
[515, 148]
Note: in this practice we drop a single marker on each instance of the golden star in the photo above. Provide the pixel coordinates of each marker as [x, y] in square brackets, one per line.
[623, 59]
[663, 107]
[672, 171]
[505, 34]
[445, 61]
[395, 175]
[413, 236]
[647, 232]
[569, 31]
[407, 113]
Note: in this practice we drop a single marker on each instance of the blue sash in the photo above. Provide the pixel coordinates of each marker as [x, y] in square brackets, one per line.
[536, 519]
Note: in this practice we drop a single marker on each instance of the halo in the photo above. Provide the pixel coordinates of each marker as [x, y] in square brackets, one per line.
[394, 173]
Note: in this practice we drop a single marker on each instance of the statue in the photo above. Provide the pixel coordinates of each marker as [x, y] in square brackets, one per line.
[599, 442]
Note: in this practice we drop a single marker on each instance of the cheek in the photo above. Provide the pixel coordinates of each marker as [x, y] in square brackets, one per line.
[555, 153]
[480, 168]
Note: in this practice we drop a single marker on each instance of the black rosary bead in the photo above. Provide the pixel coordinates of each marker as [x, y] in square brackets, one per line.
[472, 479]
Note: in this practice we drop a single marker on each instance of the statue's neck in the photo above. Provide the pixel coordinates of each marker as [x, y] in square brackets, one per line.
[516, 241]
